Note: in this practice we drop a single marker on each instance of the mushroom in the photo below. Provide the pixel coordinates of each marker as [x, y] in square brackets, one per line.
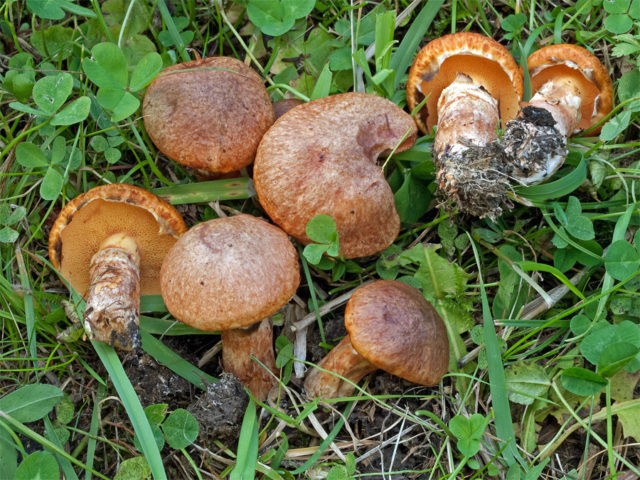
[572, 92]
[230, 275]
[468, 82]
[321, 158]
[109, 243]
[283, 106]
[390, 327]
[208, 114]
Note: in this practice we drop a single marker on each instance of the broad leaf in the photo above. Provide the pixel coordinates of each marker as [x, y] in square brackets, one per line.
[31, 402]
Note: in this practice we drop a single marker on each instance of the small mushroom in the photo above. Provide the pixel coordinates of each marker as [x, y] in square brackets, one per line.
[572, 92]
[390, 327]
[321, 157]
[469, 82]
[283, 106]
[109, 243]
[230, 275]
[208, 114]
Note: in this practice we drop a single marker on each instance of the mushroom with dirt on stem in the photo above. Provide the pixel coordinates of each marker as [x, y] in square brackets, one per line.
[572, 92]
[469, 83]
[230, 275]
[321, 158]
[208, 114]
[109, 244]
[391, 327]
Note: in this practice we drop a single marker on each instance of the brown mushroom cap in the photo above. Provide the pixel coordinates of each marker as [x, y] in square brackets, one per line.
[208, 114]
[93, 216]
[321, 158]
[590, 76]
[483, 59]
[392, 326]
[229, 273]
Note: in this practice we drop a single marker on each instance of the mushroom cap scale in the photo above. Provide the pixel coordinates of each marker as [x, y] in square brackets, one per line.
[589, 76]
[93, 216]
[229, 273]
[486, 61]
[321, 158]
[208, 114]
[393, 327]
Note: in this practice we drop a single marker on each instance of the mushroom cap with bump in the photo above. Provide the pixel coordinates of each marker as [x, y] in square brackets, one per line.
[91, 217]
[208, 114]
[393, 327]
[321, 157]
[587, 73]
[439, 62]
[229, 273]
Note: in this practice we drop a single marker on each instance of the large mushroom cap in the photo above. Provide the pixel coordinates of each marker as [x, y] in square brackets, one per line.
[587, 73]
[487, 62]
[321, 158]
[229, 273]
[103, 211]
[208, 114]
[392, 326]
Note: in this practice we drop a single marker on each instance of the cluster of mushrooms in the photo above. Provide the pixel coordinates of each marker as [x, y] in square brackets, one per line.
[229, 275]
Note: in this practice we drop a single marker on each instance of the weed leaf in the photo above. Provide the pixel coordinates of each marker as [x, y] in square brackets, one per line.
[621, 260]
[108, 66]
[75, 112]
[145, 71]
[55, 9]
[51, 185]
[30, 156]
[51, 92]
[582, 382]
[31, 402]
[181, 428]
[40, 465]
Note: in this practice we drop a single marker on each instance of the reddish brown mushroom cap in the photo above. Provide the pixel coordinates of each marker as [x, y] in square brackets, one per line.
[589, 77]
[481, 58]
[208, 114]
[321, 158]
[90, 218]
[229, 273]
[392, 326]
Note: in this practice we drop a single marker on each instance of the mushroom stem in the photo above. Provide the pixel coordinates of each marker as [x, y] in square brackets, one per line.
[535, 142]
[238, 347]
[342, 362]
[470, 163]
[113, 301]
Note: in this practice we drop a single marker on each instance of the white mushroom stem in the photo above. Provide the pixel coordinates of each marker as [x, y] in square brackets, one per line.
[471, 167]
[561, 98]
[248, 354]
[467, 116]
[535, 142]
[113, 300]
[342, 362]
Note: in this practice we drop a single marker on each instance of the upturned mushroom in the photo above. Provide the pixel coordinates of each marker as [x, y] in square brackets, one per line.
[468, 83]
[230, 275]
[208, 114]
[390, 327]
[321, 157]
[572, 92]
[109, 243]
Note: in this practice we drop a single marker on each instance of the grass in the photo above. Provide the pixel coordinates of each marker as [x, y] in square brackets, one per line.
[542, 305]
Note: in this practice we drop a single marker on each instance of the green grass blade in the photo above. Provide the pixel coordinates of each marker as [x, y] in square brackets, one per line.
[94, 429]
[170, 359]
[543, 267]
[497, 380]
[247, 456]
[210, 191]
[65, 465]
[325, 443]
[167, 18]
[559, 188]
[402, 57]
[133, 407]
[173, 328]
